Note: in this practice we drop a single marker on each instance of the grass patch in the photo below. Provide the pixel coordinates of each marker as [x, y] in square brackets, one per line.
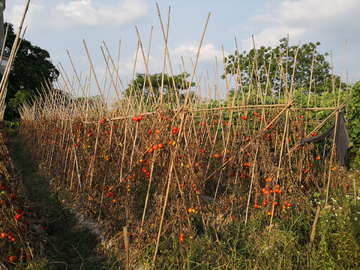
[286, 246]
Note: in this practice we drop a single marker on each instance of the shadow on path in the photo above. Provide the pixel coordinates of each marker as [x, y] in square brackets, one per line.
[66, 246]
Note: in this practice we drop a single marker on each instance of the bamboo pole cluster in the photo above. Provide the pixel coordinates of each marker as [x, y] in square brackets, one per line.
[184, 166]
[14, 49]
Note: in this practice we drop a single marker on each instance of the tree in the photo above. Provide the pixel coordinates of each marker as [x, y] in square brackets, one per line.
[19, 98]
[285, 56]
[31, 67]
[169, 91]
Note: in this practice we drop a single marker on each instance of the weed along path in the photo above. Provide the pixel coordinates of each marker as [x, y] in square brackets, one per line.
[64, 244]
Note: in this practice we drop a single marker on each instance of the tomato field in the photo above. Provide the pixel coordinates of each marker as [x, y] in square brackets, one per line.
[180, 174]
[180, 178]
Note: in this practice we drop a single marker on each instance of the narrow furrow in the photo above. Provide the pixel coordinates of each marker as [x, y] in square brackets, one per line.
[64, 244]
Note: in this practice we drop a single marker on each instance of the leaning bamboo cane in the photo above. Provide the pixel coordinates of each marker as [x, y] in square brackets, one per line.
[251, 185]
[14, 49]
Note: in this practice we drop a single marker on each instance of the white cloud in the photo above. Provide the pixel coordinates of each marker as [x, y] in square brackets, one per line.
[323, 12]
[155, 65]
[80, 13]
[15, 14]
[89, 13]
[320, 20]
[271, 36]
[126, 65]
[187, 51]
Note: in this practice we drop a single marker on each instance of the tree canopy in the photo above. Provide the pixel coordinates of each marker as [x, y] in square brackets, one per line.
[169, 90]
[31, 67]
[273, 60]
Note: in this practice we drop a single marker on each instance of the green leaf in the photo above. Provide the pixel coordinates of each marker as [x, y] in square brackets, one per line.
[356, 130]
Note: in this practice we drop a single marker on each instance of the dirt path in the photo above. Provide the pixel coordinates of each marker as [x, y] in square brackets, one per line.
[64, 246]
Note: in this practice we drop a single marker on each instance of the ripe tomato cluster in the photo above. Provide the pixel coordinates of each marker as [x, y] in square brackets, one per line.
[138, 119]
[182, 237]
[175, 130]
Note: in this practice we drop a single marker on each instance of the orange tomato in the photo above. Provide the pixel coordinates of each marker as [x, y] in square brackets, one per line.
[12, 258]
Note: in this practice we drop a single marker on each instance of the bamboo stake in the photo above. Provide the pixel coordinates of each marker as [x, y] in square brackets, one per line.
[280, 159]
[342, 69]
[93, 71]
[146, 66]
[14, 49]
[148, 191]
[251, 185]
[314, 226]
[197, 58]
[127, 255]
[167, 50]
[333, 148]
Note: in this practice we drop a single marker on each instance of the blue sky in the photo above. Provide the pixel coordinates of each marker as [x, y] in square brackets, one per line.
[61, 25]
